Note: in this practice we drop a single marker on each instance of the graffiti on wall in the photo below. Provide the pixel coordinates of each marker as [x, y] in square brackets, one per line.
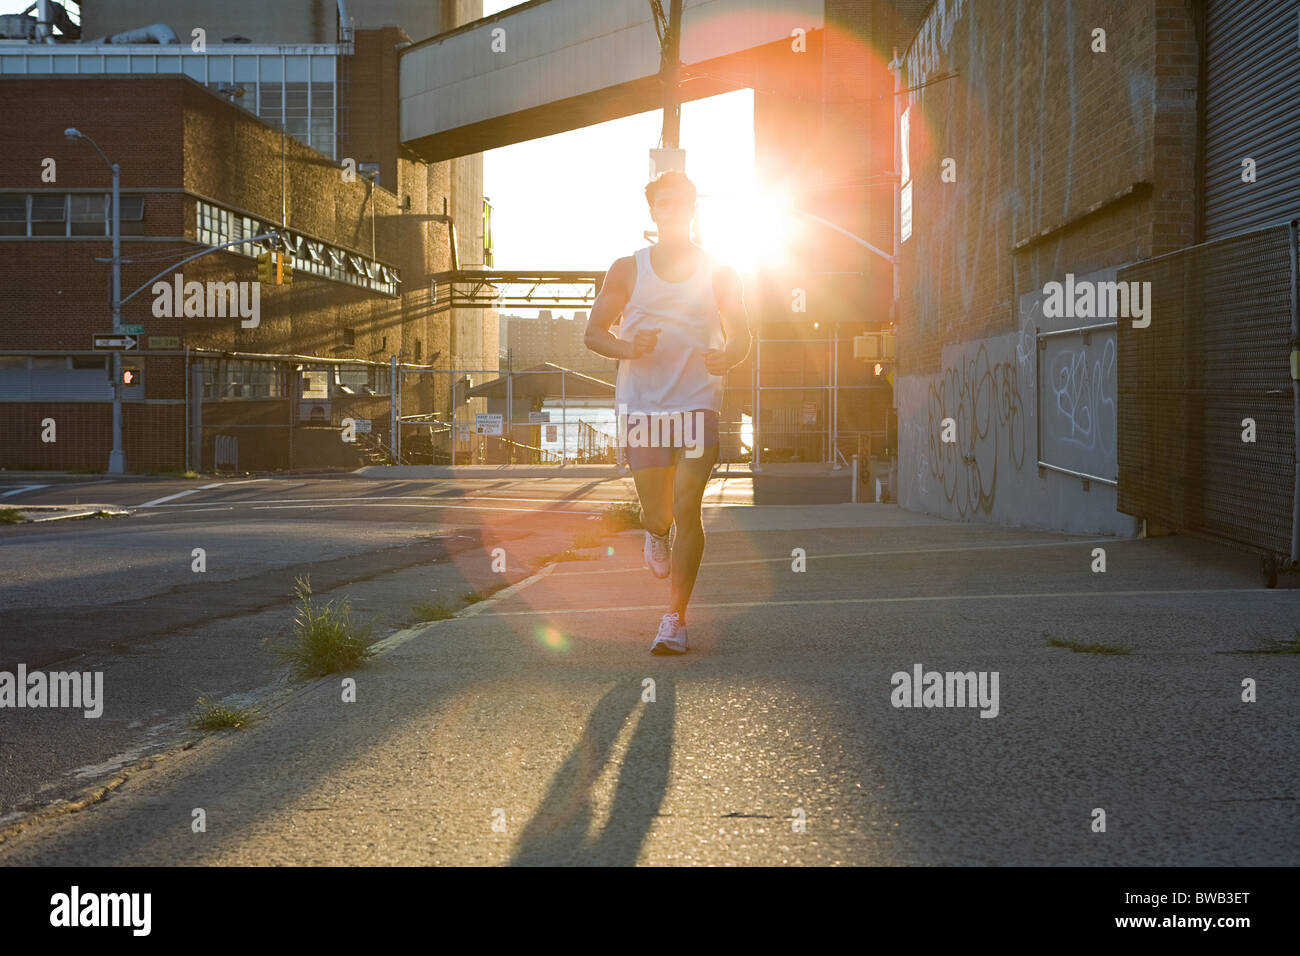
[983, 398]
[1079, 413]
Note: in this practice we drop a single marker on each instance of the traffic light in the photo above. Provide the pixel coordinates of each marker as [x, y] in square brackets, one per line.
[130, 376]
[286, 268]
[265, 269]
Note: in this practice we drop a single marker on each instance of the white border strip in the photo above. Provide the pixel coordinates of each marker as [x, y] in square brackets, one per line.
[888, 600]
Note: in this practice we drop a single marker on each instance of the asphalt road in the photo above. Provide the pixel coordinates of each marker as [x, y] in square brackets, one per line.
[523, 730]
[122, 595]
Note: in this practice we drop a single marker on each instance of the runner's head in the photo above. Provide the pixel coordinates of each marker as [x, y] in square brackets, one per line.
[672, 199]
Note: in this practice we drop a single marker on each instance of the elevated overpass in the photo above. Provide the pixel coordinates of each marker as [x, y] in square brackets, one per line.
[549, 66]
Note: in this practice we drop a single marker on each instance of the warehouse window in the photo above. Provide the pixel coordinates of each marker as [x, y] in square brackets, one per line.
[88, 215]
[216, 226]
[49, 214]
[62, 214]
[54, 378]
[232, 378]
[13, 214]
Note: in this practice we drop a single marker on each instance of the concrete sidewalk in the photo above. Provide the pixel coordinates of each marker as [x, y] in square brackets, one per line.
[536, 728]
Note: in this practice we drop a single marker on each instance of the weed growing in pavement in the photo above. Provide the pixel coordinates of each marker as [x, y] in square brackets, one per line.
[1272, 645]
[567, 555]
[473, 597]
[621, 517]
[436, 611]
[1080, 648]
[325, 639]
[212, 715]
[10, 516]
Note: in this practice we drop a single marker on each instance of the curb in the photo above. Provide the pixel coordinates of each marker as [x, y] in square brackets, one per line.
[268, 698]
[94, 512]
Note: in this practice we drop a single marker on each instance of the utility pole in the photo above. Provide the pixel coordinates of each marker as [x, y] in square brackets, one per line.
[670, 70]
[116, 459]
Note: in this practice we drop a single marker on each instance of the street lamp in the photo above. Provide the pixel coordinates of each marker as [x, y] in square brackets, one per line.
[115, 458]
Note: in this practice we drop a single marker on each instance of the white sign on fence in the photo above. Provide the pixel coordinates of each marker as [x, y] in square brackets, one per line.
[488, 423]
[552, 433]
[538, 418]
[363, 424]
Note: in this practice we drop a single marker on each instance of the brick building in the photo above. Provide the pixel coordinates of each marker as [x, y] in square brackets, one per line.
[1066, 146]
[309, 148]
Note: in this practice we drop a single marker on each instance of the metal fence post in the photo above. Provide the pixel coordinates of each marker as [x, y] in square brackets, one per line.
[394, 408]
[758, 397]
[510, 416]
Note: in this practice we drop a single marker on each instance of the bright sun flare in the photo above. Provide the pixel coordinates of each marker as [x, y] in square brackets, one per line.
[746, 230]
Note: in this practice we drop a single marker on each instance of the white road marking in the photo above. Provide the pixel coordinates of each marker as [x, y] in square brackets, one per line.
[19, 491]
[866, 554]
[381, 504]
[889, 600]
[179, 494]
[435, 498]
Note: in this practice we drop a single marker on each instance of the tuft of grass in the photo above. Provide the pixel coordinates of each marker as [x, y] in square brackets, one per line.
[1272, 645]
[435, 611]
[213, 715]
[566, 555]
[473, 597]
[10, 516]
[1080, 648]
[177, 473]
[325, 639]
[621, 517]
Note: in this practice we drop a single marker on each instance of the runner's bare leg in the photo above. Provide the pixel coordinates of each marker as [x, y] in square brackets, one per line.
[654, 487]
[688, 547]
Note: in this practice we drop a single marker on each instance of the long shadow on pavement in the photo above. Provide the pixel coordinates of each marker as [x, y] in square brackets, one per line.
[558, 831]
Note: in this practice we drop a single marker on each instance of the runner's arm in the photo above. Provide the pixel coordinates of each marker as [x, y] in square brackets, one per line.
[613, 296]
[730, 298]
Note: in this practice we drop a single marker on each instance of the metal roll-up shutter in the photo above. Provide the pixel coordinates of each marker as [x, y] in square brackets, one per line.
[1252, 109]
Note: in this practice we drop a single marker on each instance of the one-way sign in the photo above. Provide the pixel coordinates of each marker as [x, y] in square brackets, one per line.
[114, 343]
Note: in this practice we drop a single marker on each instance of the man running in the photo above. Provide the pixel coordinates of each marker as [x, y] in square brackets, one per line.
[684, 326]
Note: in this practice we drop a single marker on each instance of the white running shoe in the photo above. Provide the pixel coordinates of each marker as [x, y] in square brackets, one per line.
[658, 553]
[671, 638]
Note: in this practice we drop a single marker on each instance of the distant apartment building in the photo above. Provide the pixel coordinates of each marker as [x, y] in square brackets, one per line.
[549, 338]
[284, 119]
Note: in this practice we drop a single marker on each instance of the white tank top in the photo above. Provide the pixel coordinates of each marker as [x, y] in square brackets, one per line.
[672, 378]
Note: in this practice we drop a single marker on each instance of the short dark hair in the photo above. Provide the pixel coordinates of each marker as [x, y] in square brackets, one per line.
[671, 177]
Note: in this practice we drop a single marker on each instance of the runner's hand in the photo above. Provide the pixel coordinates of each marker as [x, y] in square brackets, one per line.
[715, 360]
[644, 342]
